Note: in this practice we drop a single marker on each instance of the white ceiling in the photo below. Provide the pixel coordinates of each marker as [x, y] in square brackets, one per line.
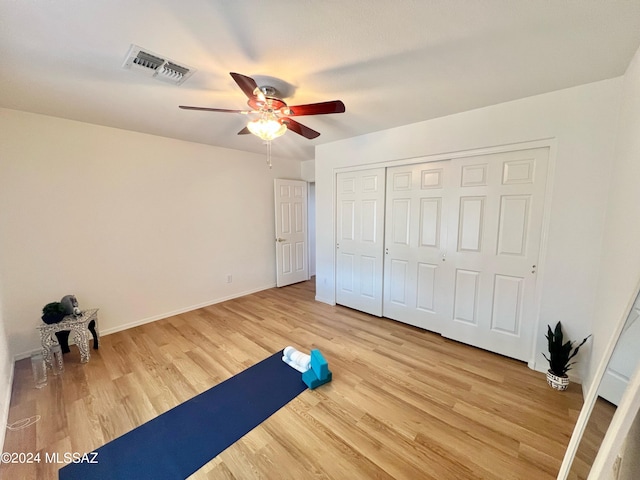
[392, 62]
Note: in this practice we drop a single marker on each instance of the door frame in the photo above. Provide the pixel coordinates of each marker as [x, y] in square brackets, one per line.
[280, 243]
[309, 236]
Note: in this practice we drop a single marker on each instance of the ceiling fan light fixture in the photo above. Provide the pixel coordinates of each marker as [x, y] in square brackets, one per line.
[273, 112]
[267, 128]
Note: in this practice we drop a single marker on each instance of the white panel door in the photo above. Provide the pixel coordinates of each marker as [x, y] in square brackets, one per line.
[494, 231]
[291, 232]
[359, 240]
[624, 359]
[416, 269]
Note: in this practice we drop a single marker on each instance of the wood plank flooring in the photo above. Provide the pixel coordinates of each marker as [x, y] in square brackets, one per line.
[594, 433]
[404, 403]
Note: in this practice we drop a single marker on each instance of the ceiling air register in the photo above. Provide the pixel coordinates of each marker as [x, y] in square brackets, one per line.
[156, 66]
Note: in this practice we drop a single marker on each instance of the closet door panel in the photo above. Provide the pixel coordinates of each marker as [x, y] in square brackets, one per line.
[494, 241]
[359, 239]
[416, 271]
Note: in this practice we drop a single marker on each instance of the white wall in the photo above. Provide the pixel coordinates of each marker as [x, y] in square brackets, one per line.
[620, 263]
[579, 123]
[308, 170]
[137, 225]
[630, 465]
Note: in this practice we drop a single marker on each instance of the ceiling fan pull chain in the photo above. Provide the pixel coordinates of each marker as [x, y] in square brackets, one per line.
[269, 153]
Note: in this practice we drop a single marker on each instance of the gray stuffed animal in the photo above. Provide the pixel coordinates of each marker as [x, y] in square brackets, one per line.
[70, 305]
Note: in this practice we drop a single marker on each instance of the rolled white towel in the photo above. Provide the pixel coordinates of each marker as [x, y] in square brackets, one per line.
[296, 359]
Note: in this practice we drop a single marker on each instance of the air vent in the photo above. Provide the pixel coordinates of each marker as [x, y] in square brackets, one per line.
[156, 66]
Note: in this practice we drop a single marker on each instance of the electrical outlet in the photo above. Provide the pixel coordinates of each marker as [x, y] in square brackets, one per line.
[616, 467]
[229, 278]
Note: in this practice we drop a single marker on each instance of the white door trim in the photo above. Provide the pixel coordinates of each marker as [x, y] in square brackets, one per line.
[291, 242]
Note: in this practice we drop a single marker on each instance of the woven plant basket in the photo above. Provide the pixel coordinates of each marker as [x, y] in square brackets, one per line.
[556, 382]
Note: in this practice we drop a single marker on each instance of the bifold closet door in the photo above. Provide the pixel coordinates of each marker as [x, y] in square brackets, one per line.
[461, 246]
[418, 276]
[494, 231]
[359, 239]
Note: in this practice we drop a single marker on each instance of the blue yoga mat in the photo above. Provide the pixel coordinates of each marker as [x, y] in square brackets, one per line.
[179, 442]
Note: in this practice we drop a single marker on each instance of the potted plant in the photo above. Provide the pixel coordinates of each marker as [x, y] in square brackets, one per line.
[560, 353]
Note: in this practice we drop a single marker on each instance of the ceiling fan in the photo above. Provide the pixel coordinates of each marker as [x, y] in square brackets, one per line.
[274, 114]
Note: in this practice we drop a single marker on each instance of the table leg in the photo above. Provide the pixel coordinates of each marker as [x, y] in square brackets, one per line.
[47, 342]
[92, 329]
[82, 341]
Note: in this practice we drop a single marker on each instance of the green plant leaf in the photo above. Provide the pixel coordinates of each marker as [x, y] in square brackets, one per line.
[560, 352]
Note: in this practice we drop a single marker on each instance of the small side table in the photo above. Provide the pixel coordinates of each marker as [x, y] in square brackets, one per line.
[78, 326]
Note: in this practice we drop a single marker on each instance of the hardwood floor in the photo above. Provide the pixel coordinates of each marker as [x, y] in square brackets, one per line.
[404, 403]
[594, 433]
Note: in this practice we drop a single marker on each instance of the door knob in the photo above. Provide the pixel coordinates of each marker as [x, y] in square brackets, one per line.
[280, 239]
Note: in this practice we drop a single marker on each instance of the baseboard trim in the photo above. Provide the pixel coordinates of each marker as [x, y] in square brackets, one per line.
[137, 323]
[161, 316]
[325, 300]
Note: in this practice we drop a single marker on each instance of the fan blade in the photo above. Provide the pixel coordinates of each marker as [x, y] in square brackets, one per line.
[244, 131]
[299, 128]
[248, 86]
[206, 109]
[322, 108]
